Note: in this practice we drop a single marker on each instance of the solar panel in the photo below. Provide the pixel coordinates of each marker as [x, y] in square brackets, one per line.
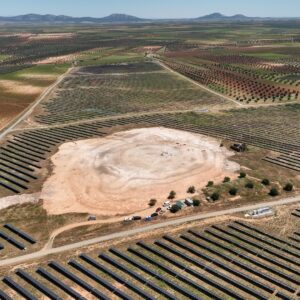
[100, 280]
[12, 241]
[4, 296]
[20, 290]
[20, 233]
[78, 281]
[136, 276]
[155, 274]
[59, 284]
[42, 288]
[240, 264]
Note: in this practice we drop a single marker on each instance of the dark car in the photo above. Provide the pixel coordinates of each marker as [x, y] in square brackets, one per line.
[154, 215]
[136, 218]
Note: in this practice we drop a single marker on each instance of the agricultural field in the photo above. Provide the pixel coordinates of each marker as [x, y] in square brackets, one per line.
[92, 92]
[246, 74]
[100, 125]
[18, 89]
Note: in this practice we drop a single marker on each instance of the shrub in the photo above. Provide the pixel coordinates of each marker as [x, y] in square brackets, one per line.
[172, 195]
[175, 208]
[274, 192]
[233, 191]
[242, 175]
[226, 179]
[249, 185]
[191, 190]
[196, 202]
[152, 202]
[265, 181]
[210, 183]
[215, 196]
[288, 187]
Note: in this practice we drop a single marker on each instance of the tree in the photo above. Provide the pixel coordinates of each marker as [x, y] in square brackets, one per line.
[210, 183]
[233, 191]
[215, 196]
[273, 192]
[196, 202]
[249, 185]
[242, 175]
[191, 190]
[265, 181]
[226, 179]
[288, 187]
[152, 202]
[172, 195]
[175, 208]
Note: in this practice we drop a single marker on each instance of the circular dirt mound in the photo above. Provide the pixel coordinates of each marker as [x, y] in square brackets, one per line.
[120, 173]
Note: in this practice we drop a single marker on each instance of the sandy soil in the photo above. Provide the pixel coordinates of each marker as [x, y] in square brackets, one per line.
[57, 59]
[19, 199]
[45, 36]
[16, 87]
[118, 174]
[39, 76]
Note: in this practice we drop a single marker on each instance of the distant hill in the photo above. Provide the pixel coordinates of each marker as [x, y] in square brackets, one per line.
[35, 18]
[220, 17]
[115, 18]
[122, 18]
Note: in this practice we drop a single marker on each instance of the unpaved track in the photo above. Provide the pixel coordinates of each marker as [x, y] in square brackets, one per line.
[200, 85]
[145, 229]
[26, 113]
[60, 230]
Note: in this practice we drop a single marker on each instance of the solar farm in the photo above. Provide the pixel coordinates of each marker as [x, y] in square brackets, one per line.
[138, 160]
[238, 260]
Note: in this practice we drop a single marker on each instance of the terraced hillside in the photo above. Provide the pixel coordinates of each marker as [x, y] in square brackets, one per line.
[236, 260]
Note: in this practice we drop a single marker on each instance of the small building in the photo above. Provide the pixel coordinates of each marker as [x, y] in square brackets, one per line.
[260, 212]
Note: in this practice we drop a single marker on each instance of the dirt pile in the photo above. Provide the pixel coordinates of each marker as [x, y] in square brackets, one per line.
[120, 173]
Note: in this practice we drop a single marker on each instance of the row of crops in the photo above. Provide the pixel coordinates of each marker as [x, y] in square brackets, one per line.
[235, 261]
[111, 90]
[236, 84]
[22, 50]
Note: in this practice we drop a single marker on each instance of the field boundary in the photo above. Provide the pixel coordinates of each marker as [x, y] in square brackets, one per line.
[26, 112]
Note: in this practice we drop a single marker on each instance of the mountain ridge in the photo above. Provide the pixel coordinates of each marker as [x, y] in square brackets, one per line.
[121, 18]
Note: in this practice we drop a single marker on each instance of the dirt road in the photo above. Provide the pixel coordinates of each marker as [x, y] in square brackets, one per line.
[199, 85]
[144, 229]
[26, 113]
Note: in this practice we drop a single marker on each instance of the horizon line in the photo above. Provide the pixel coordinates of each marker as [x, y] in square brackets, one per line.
[151, 18]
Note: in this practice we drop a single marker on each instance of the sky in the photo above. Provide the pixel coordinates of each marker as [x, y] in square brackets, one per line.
[152, 8]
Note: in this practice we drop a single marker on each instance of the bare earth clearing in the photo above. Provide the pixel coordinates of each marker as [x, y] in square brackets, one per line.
[118, 174]
[19, 88]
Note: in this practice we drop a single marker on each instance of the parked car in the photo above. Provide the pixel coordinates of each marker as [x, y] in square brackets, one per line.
[148, 219]
[158, 209]
[136, 218]
[128, 219]
[167, 203]
[154, 215]
[92, 218]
